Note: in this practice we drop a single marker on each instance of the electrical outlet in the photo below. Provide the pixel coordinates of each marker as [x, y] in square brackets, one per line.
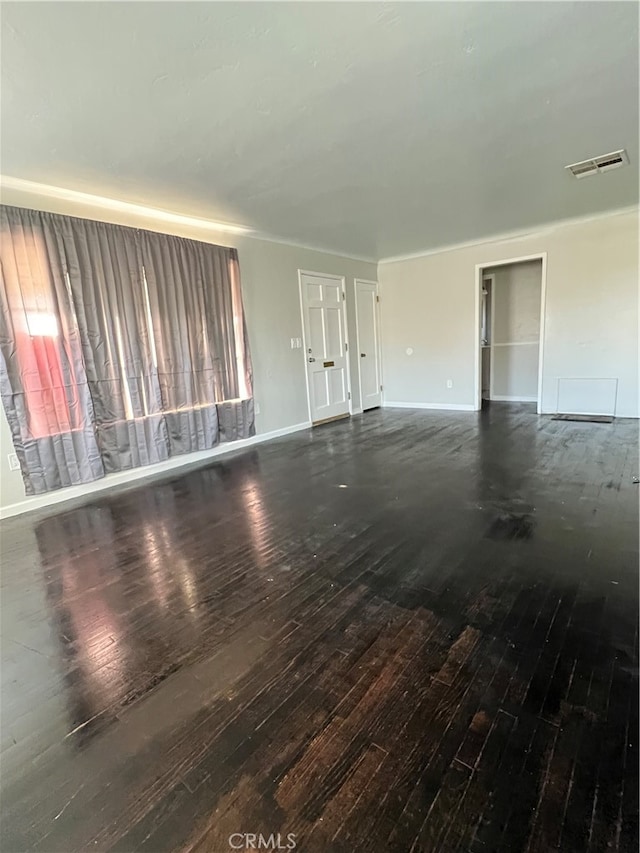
[449, 383]
[293, 343]
[256, 408]
[14, 464]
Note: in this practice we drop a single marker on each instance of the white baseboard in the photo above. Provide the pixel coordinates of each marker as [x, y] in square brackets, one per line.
[146, 472]
[450, 407]
[497, 398]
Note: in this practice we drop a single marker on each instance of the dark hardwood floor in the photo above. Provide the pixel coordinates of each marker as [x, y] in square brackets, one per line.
[409, 631]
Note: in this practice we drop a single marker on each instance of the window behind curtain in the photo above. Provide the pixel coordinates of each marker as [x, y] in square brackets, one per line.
[119, 347]
[48, 377]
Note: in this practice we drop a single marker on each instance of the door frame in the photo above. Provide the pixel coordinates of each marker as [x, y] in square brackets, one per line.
[343, 288]
[487, 277]
[356, 282]
[480, 268]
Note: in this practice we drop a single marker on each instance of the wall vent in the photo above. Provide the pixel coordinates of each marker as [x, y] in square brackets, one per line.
[604, 163]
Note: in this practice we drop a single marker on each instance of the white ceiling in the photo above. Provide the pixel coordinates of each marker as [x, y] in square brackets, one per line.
[368, 129]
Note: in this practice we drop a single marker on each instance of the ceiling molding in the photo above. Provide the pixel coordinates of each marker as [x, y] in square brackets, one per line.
[268, 238]
[508, 236]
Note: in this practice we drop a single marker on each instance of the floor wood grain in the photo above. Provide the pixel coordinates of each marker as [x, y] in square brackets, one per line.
[410, 631]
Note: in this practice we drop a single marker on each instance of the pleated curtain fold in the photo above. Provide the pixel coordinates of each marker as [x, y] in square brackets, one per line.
[118, 347]
[202, 348]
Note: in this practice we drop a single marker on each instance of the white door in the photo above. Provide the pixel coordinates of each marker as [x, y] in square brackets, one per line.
[368, 343]
[326, 349]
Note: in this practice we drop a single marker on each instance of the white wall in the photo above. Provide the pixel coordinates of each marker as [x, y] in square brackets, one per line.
[591, 317]
[515, 332]
[271, 297]
[516, 302]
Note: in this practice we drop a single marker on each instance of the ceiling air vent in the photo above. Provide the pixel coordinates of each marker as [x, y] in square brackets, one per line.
[605, 163]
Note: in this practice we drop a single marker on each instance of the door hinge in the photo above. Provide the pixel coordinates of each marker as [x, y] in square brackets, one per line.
[381, 387]
[346, 347]
[344, 296]
[377, 298]
[348, 395]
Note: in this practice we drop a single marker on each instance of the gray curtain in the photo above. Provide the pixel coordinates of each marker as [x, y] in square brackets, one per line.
[42, 377]
[111, 309]
[202, 351]
[119, 347]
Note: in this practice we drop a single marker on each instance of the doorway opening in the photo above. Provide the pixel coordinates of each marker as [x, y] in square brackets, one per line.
[510, 330]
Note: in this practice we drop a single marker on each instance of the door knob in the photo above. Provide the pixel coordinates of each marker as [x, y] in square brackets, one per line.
[312, 358]
[363, 355]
